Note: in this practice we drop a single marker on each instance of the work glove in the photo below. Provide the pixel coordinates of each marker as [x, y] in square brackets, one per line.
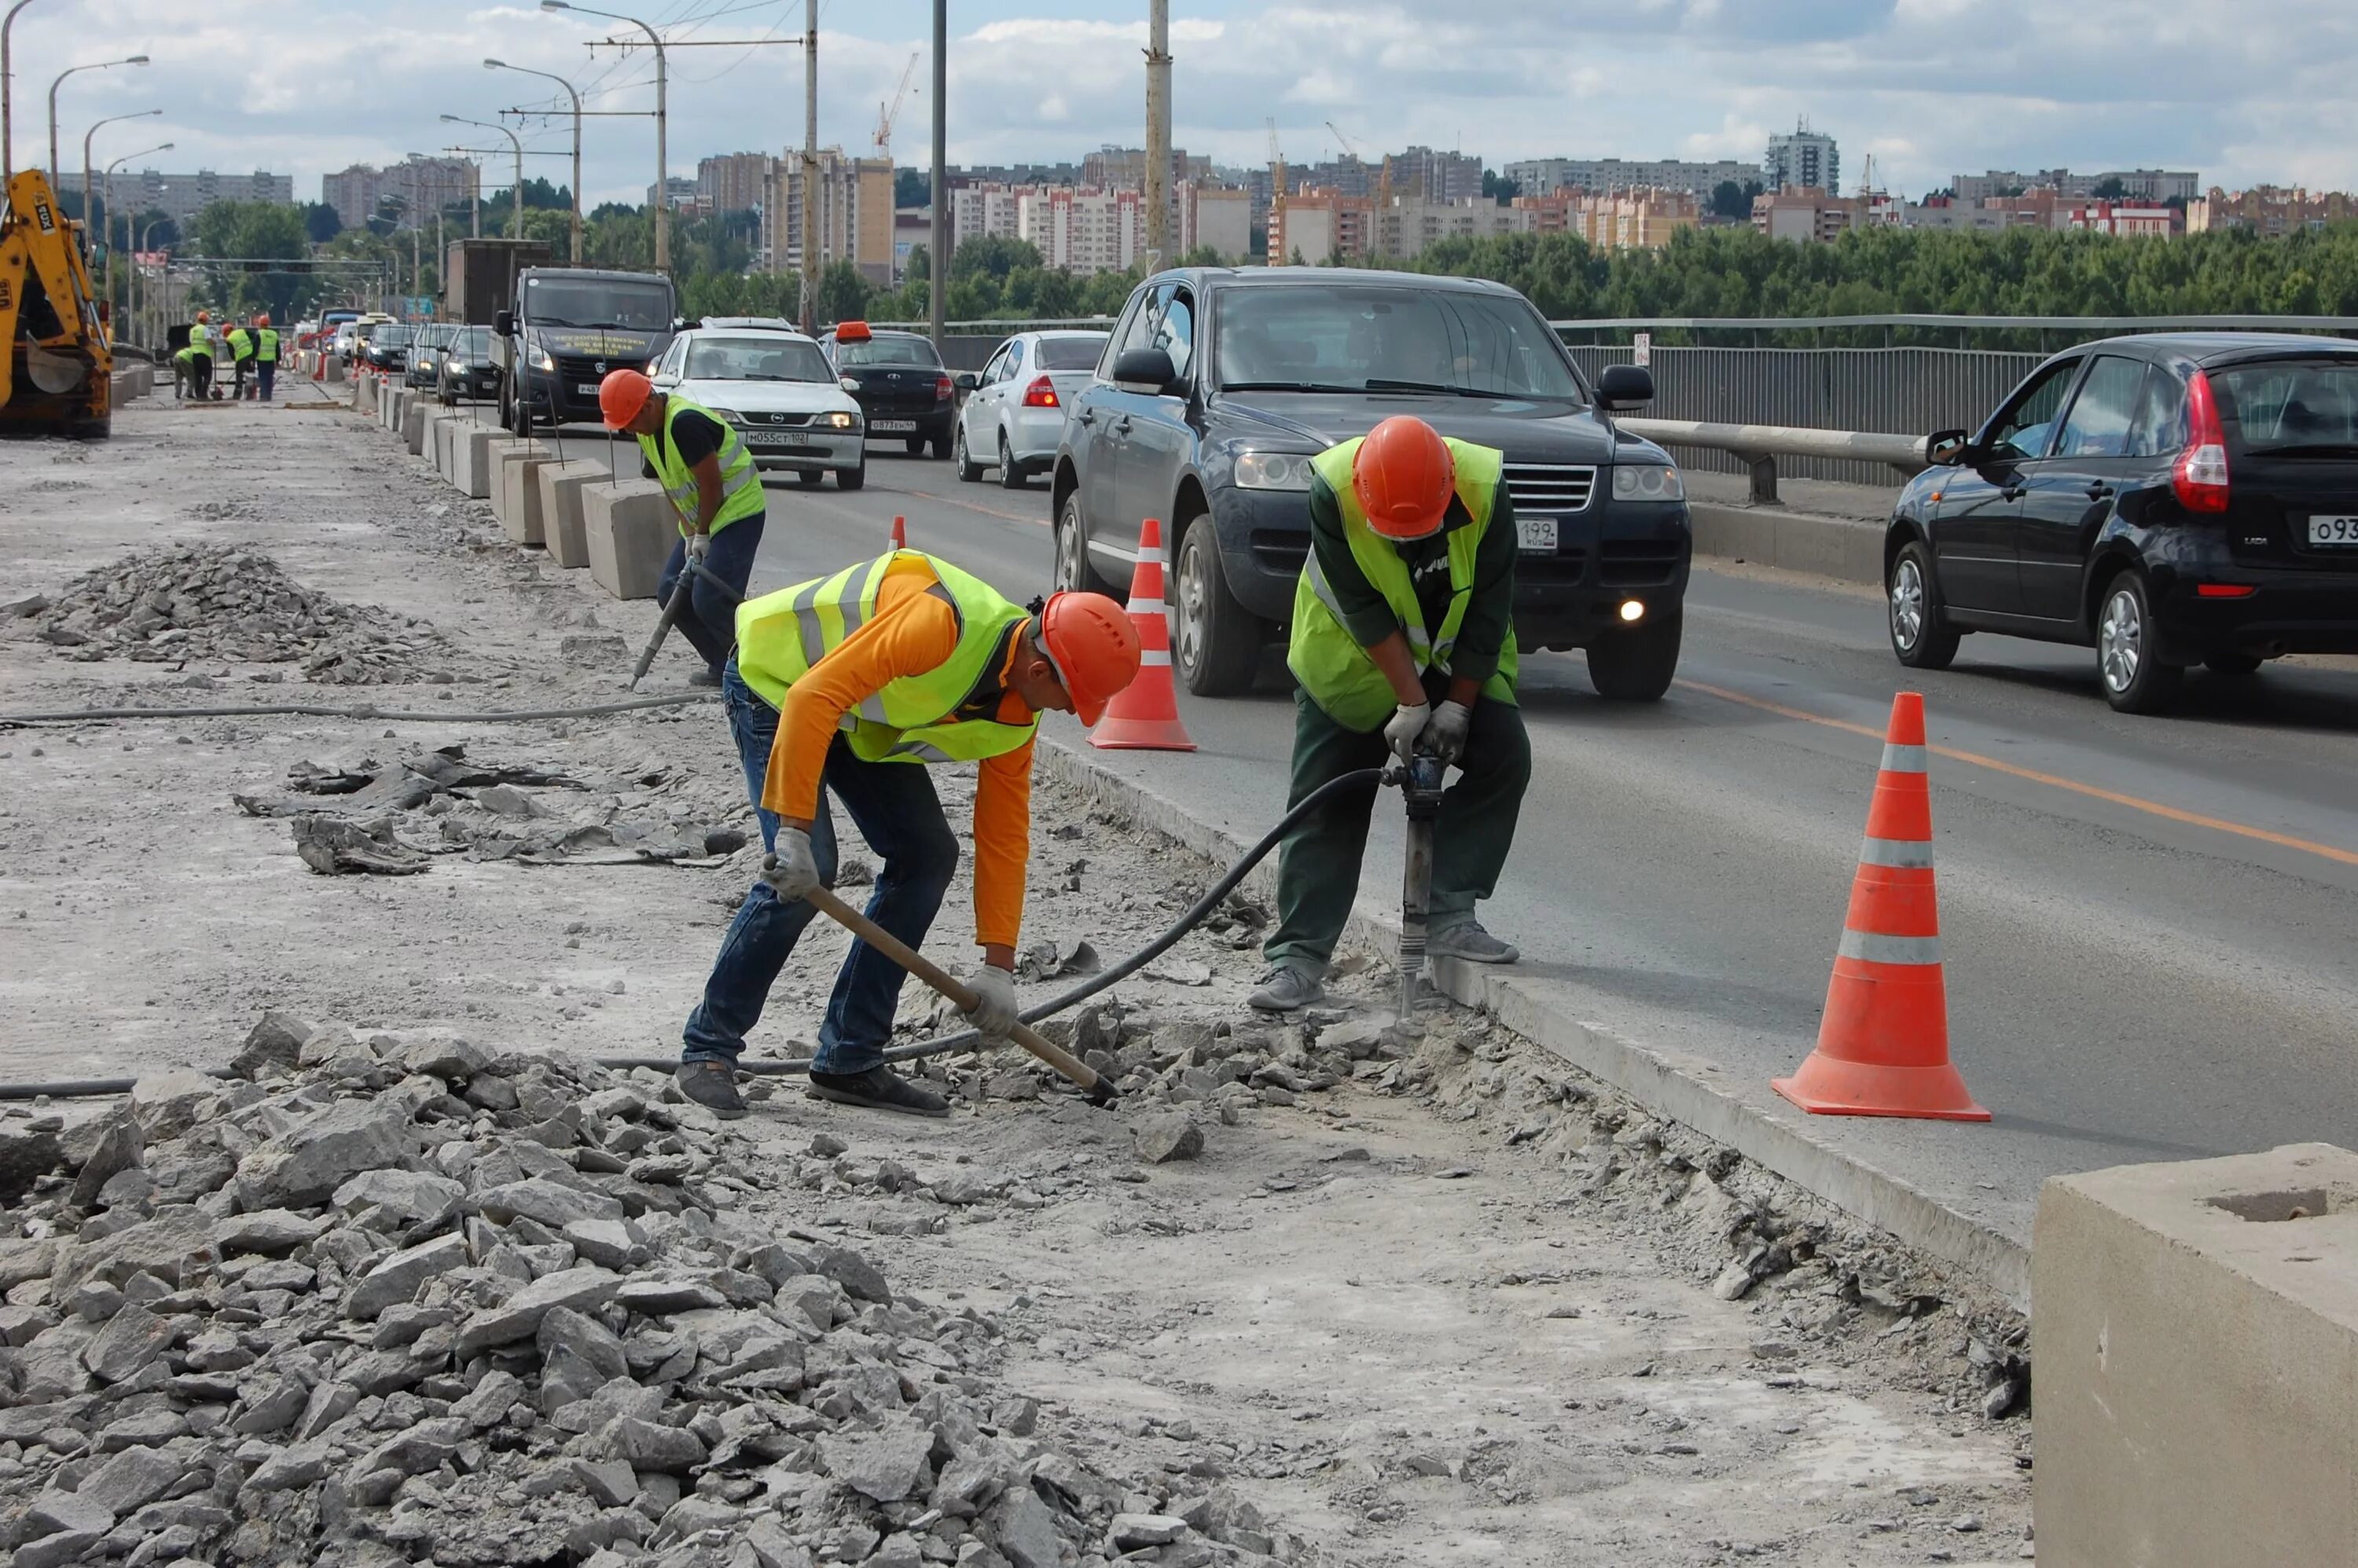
[1408, 723]
[1445, 736]
[994, 1001]
[698, 545]
[790, 870]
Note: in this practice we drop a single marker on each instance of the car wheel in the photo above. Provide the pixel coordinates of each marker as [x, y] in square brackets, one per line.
[809, 478]
[916, 446]
[1074, 572]
[2128, 662]
[2231, 663]
[852, 479]
[1921, 634]
[1635, 663]
[969, 470]
[1215, 642]
[1011, 473]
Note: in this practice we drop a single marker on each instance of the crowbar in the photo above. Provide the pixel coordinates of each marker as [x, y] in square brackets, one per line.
[1085, 1077]
[672, 611]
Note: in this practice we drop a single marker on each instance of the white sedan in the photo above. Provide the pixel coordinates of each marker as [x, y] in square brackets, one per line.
[1014, 412]
[775, 389]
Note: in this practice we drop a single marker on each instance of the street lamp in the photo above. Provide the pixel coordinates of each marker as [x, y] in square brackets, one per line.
[663, 162]
[147, 289]
[99, 65]
[7, 104]
[118, 163]
[86, 135]
[528, 71]
[511, 137]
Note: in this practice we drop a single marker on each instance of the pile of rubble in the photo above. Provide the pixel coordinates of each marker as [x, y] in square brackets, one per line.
[226, 602]
[377, 1300]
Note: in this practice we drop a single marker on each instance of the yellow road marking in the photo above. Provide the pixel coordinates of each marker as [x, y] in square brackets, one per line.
[2135, 803]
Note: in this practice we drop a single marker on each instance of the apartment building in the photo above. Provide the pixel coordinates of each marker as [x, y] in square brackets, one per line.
[734, 182]
[851, 211]
[1538, 176]
[1613, 220]
[417, 188]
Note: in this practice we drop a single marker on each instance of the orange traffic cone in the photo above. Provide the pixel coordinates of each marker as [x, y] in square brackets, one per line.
[1883, 1045]
[1144, 715]
[899, 538]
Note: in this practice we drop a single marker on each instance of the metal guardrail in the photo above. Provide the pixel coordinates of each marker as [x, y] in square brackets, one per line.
[1758, 447]
[2114, 324]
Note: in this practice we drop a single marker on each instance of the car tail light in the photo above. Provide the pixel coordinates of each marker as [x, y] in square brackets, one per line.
[2199, 477]
[2225, 590]
[1041, 394]
[942, 388]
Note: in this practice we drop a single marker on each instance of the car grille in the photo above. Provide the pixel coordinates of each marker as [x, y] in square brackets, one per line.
[1638, 563]
[1550, 489]
[579, 370]
[772, 418]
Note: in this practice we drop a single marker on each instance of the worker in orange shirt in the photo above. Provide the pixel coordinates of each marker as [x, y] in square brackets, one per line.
[852, 683]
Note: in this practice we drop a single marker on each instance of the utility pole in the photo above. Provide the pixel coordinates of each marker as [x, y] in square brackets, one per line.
[810, 166]
[1158, 134]
[938, 273]
[8, 100]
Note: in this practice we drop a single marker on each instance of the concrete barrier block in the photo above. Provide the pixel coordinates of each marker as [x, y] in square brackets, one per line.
[471, 458]
[561, 509]
[630, 527]
[445, 430]
[364, 390]
[392, 407]
[335, 371]
[2194, 1328]
[413, 425]
[1842, 547]
[516, 502]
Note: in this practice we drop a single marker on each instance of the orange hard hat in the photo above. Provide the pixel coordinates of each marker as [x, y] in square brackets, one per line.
[204, 315]
[621, 397]
[263, 319]
[1092, 643]
[1404, 476]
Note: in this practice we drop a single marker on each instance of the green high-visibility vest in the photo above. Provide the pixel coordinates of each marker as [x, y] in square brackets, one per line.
[186, 356]
[741, 483]
[241, 343]
[946, 715]
[200, 337]
[1323, 655]
[265, 344]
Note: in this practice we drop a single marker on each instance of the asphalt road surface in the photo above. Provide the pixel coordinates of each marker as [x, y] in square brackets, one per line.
[2149, 924]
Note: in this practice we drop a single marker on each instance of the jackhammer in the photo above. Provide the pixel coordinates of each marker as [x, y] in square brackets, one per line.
[1419, 779]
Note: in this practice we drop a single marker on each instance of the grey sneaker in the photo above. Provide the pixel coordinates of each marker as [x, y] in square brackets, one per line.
[712, 1084]
[878, 1088]
[1286, 989]
[1471, 943]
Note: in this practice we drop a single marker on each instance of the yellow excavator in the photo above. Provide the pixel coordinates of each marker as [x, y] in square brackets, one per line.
[58, 374]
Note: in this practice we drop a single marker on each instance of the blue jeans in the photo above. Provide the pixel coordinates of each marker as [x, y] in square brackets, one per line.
[268, 370]
[895, 809]
[710, 624]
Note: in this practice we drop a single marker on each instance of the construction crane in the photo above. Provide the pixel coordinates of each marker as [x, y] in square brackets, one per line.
[888, 112]
[1276, 197]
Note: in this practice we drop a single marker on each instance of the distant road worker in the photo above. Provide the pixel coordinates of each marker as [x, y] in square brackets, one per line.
[240, 349]
[184, 372]
[202, 340]
[714, 487]
[1402, 633]
[266, 353]
[850, 684]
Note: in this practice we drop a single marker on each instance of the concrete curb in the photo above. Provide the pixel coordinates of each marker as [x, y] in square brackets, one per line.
[1665, 1083]
[1840, 547]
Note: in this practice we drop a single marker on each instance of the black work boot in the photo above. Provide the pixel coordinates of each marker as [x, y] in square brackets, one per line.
[878, 1088]
[712, 1084]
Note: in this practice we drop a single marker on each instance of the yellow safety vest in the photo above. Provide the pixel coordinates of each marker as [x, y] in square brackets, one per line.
[945, 714]
[241, 343]
[741, 483]
[1327, 660]
[265, 340]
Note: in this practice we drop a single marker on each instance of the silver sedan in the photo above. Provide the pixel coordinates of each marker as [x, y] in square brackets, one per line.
[1014, 411]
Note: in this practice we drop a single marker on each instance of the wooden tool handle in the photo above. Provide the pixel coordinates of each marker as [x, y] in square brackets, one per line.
[949, 985]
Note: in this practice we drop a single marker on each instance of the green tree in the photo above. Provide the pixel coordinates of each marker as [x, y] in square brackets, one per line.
[1729, 199]
[1499, 188]
[256, 232]
[912, 187]
[993, 255]
[2109, 189]
[320, 223]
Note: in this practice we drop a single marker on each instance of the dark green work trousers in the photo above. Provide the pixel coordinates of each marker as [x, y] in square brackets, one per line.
[1318, 871]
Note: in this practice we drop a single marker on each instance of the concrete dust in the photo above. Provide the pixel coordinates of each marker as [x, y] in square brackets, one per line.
[1449, 1304]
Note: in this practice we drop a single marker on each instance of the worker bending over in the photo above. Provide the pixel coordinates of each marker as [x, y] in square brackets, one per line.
[852, 683]
[266, 353]
[201, 338]
[1402, 636]
[715, 488]
[184, 372]
[240, 349]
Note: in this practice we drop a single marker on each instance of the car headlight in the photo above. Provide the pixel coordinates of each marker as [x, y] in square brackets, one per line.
[1647, 482]
[729, 414]
[541, 359]
[1272, 470]
[458, 367]
[840, 420]
[849, 383]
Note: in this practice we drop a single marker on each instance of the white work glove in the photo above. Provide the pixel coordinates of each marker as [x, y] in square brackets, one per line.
[1445, 736]
[698, 545]
[994, 1001]
[790, 870]
[1408, 723]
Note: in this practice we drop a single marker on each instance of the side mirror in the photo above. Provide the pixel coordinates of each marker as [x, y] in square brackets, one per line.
[1625, 386]
[1149, 371]
[504, 323]
[966, 381]
[1947, 448]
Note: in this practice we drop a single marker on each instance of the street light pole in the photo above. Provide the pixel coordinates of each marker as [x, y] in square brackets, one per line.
[1158, 136]
[118, 163]
[7, 102]
[518, 142]
[662, 160]
[809, 321]
[99, 65]
[528, 71]
[938, 274]
[86, 136]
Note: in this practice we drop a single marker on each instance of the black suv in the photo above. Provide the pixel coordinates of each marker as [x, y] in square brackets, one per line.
[1218, 386]
[2168, 500]
[899, 382]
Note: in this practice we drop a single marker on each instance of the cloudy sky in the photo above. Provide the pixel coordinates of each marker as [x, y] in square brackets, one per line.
[2243, 91]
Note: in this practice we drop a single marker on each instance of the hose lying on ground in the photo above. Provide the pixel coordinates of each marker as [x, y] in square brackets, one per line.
[366, 711]
[966, 1040]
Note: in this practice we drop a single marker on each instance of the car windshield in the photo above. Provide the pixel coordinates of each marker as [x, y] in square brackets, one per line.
[883, 351]
[1071, 354]
[2288, 406]
[473, 343]
[598, 302]
[392, 335]
[1348, 338]
[756, 359]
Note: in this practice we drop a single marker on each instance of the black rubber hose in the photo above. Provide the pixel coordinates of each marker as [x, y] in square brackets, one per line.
[964, 1040]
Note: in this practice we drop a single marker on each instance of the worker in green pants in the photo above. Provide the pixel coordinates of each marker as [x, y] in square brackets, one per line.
[1403, 638]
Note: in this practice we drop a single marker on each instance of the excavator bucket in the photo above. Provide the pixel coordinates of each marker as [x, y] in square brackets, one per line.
[58, 374]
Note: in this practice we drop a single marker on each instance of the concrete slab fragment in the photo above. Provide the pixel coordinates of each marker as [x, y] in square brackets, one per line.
[630, 528]
[561, 509]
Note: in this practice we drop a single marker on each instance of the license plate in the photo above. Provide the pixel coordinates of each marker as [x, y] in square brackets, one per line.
[893, 427]
[775, 439]
[585, 388]
[1535, 533]
[2333, 531]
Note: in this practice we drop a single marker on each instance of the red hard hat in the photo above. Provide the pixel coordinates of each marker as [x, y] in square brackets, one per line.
[1403, 476]
[621, 397]
[1093, 644]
